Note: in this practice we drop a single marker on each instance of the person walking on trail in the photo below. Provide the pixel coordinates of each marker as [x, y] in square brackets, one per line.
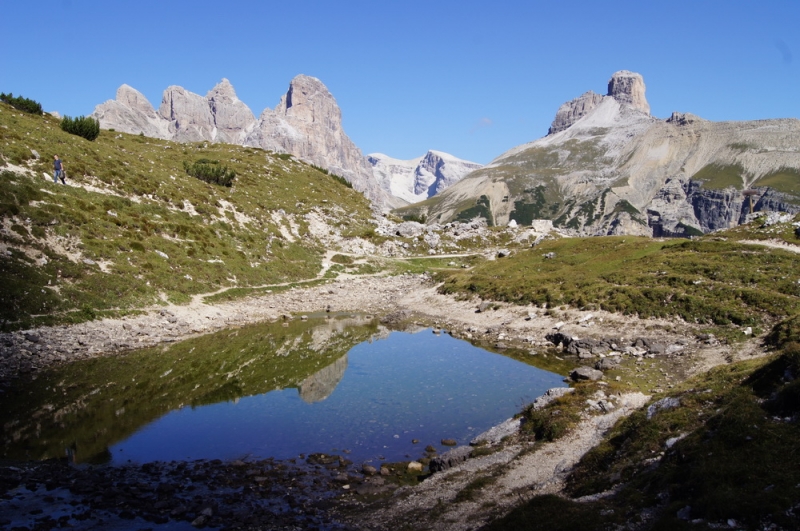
[58, 170]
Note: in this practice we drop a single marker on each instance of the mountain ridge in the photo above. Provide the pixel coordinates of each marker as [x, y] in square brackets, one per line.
[306, 123]
[419, 178]
[609, 167]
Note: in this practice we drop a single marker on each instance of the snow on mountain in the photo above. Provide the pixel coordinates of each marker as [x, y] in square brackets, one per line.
[420, 178]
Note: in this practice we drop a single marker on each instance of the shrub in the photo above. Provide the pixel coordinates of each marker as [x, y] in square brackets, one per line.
[22, 104]
[83, 126]
[210, 171]
[419, 218]
[340, 180]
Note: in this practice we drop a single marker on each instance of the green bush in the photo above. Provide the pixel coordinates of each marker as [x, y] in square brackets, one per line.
[210, 171]
[341, 180]
[22, 104]
[84, 126]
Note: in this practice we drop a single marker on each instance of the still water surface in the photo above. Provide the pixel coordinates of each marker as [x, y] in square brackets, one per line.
[331, 386]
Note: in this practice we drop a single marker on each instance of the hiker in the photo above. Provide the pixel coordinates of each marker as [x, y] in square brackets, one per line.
[58, 170]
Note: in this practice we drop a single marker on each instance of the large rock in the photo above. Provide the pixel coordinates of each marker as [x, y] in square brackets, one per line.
[188, 114]
[574, 110]
[496, 434]
[131, 113]
[232, 118]
[628, 88]
[450, 459]
[550, 395]
[585, 373]
[307, 123]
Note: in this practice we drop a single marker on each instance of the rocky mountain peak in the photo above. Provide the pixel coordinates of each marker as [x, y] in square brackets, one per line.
[572, 111]
[130, 97]
[683, 118]
[628, 88]
[222, 91]
[232, 118]
[309, 101]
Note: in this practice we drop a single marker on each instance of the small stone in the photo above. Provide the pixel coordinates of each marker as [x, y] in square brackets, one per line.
[449, 442]
[415, 466]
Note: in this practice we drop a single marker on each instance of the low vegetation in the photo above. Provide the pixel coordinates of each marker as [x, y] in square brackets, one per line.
[83, 126]
[700, 281]
[22, 104]
[210, 171]
[719, 176]
[132, 229]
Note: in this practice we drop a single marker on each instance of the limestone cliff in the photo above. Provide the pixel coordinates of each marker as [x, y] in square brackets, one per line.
[307, 123]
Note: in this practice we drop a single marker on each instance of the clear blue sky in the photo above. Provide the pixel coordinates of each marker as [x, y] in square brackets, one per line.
[472, 78]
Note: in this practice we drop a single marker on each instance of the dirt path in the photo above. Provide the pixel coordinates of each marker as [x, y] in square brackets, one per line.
[775, 244]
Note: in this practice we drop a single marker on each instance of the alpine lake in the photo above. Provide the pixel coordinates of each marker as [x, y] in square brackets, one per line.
[336, 384]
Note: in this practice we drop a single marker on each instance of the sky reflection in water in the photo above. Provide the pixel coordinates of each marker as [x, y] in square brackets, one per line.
[406, 386]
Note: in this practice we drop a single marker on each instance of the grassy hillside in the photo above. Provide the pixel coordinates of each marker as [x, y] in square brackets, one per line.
[132, 228]
[724, 451]
[710, 280]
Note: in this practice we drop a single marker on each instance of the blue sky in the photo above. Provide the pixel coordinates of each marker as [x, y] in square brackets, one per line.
[472, 78]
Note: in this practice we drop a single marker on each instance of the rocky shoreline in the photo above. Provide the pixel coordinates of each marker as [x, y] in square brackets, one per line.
[323, 491]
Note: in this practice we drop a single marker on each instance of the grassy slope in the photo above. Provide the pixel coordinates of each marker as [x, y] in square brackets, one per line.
[705, 281]
[738, 459]
[129, 201]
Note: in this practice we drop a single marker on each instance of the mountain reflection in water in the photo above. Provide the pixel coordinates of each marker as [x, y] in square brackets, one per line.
[323, 385]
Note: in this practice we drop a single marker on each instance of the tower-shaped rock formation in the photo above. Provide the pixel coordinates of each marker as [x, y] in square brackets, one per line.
[628, 88]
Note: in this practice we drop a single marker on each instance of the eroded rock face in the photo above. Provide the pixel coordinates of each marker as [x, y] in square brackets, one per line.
[131, 113]
[232, 118]
[573, 110]
[307, 123]
[188, 114]
[628, 88]
[418, 179]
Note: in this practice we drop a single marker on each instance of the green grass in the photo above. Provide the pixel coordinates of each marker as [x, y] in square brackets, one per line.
[719, 176]
[785, 180]
[481, 209]
[100, 242]
[703, 281]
